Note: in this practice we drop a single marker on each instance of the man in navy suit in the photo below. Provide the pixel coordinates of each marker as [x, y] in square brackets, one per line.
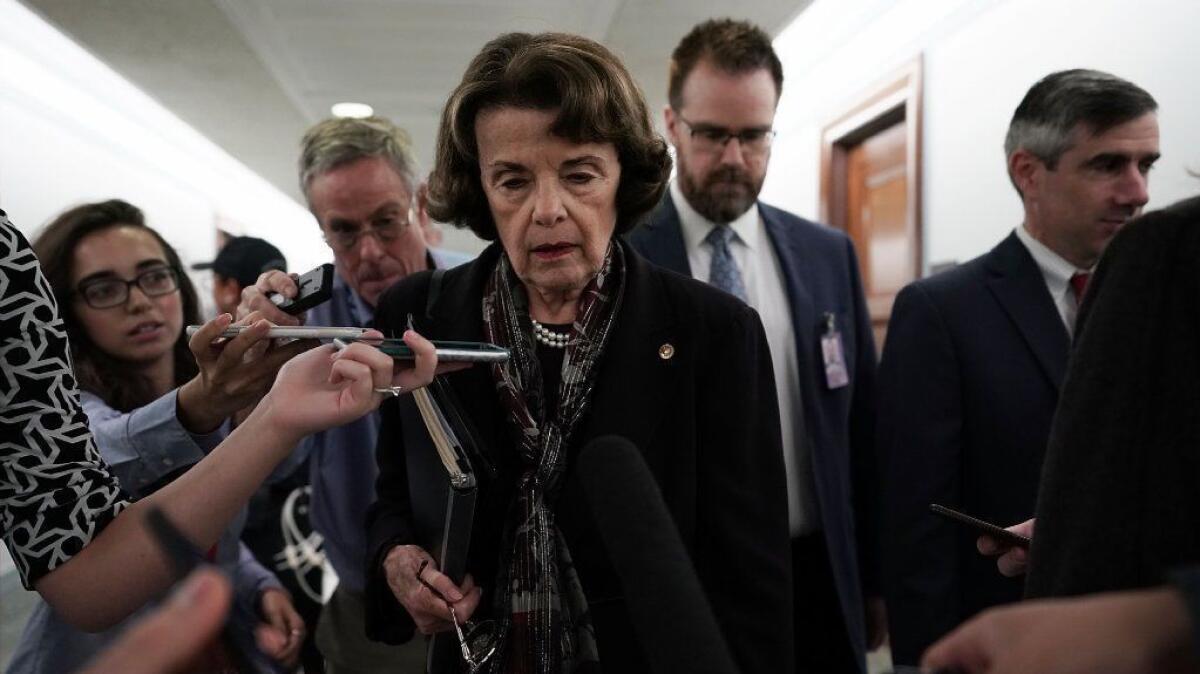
[803, 280]
[975, 356]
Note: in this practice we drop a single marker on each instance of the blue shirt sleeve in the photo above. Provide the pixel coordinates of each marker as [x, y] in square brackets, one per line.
[144, 446]
[250, 579]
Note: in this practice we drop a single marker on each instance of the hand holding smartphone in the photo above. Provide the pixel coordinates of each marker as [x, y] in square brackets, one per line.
[447, 352]
[291, 332]
[1001, 534]
[314, 287]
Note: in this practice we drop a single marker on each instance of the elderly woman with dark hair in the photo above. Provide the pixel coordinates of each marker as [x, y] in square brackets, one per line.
[546, 149]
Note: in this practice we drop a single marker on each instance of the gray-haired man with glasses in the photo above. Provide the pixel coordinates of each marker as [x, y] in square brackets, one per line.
[360, 179]
[725, 82]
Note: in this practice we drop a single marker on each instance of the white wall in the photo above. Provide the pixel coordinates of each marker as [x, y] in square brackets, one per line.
[72, 131]
[980, 56]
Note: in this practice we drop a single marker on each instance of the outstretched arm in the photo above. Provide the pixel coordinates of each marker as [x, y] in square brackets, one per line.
[122, 568]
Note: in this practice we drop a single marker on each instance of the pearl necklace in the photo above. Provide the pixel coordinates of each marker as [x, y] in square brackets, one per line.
[552, 339]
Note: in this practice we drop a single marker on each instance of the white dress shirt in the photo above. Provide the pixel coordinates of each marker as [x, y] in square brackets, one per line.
[1057, 273]
[766, 292]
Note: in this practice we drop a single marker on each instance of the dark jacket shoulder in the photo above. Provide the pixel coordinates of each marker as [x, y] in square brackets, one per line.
[814, 232]
[962, 282]
[695, 301]
[410, 295]
[1175, 228]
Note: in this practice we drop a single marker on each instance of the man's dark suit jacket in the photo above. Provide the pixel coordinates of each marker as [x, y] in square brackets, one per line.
[967, 387]
[1119, 504]
[821, 273]
[705, 419]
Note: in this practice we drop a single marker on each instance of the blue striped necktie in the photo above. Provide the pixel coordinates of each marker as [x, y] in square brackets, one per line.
[724, 273]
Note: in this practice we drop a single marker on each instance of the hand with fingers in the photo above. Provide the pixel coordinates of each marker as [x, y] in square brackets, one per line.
[286, 627]
[257, 298]
[177, 635]
[234, 373]
[327, 387]
[1115, 633]
[426, 593]
[180, 635]
[1011, 560]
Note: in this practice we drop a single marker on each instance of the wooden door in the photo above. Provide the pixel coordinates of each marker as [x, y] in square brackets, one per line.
[877, 219]
[870, 187]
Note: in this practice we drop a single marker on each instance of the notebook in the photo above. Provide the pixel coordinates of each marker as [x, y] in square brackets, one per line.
[454, 441]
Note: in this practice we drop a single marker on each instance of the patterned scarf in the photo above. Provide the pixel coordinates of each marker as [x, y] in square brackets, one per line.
[544, 625]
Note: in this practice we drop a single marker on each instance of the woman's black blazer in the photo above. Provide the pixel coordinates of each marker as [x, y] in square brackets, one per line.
[687, 378]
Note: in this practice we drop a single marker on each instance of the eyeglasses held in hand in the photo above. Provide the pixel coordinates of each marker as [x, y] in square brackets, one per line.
[708, 138]
[385, 229]
[104, 293]
[477, 641]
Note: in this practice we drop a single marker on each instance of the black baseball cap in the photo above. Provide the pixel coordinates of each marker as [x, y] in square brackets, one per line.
[245, 258]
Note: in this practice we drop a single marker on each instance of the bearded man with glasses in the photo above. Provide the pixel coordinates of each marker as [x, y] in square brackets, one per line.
[360, 179]
[725, 82]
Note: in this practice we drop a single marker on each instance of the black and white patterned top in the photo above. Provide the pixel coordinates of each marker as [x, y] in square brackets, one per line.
[56, 494]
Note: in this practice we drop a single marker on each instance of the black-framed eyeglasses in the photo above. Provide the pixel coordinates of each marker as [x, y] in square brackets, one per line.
[108, 292]
[385, 230]
[713, 139]
[477, 641]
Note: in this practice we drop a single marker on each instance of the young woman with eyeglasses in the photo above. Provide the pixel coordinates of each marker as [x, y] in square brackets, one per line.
[125, 302]
[153, 411]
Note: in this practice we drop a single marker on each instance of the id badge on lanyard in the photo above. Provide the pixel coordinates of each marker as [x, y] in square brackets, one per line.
[832, 352]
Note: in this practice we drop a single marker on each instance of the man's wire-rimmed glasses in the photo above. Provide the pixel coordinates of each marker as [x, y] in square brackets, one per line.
[385, 230]
[476, 640]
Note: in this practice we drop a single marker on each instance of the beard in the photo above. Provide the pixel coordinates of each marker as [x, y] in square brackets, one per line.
[721, 196]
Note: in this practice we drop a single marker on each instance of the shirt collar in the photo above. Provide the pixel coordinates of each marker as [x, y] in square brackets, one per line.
[695, 226]
[361, 312]
[1057, 270]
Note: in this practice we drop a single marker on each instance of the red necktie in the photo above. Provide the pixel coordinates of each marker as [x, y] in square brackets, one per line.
[1079, 282]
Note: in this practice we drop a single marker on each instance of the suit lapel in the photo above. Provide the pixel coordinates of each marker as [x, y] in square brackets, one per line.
[661, 238]
[1017, 283]
[646, 323]
[796, 274]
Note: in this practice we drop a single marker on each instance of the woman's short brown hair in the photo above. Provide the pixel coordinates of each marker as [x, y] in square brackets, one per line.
[597, 102]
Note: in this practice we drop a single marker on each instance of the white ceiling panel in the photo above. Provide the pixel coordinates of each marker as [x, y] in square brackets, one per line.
[253, 74]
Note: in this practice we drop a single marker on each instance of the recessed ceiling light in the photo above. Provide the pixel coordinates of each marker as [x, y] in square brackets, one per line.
[357, 110]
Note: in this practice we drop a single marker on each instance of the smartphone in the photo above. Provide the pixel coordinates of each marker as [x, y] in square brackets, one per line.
[447, 352]
[315, 287]
[999, 533]
[291, 332]
[240, 644]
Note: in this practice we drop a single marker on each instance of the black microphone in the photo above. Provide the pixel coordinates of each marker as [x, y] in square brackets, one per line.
[667, 606]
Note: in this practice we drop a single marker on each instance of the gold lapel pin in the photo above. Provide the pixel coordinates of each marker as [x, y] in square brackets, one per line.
[666, 351]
